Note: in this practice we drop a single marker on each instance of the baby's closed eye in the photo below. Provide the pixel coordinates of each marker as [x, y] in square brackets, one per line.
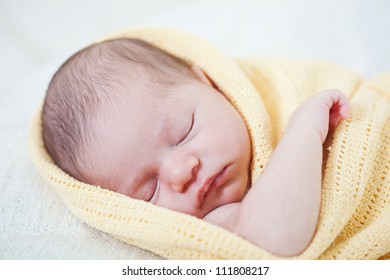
[189, 128]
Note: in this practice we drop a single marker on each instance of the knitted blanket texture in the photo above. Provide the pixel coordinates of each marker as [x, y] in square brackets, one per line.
[354, 221]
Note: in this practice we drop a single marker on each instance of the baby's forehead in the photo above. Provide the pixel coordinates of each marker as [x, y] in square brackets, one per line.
[150, 106]
[134, 107]
[154, 96]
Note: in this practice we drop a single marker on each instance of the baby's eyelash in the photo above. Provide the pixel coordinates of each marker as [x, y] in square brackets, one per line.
[189, 131]
[155, 186]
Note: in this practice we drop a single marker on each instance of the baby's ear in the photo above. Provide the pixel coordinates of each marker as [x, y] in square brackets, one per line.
[202, 75]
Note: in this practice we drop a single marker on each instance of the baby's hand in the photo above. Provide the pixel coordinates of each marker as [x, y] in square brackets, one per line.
[321, 112]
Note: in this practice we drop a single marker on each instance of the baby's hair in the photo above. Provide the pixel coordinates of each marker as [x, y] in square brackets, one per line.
[94, 76]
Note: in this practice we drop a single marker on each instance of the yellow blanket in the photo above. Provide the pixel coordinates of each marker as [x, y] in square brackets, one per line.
[354, 221]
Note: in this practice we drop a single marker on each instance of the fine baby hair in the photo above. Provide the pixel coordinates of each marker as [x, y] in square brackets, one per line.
[113, 71]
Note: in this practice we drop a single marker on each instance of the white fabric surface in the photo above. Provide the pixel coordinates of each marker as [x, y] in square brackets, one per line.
[36, 36]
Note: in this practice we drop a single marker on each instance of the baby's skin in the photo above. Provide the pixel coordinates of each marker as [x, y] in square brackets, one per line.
[281, 209]
[196, 158]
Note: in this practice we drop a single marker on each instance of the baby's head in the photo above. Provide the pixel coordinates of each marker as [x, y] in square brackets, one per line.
[131, 118]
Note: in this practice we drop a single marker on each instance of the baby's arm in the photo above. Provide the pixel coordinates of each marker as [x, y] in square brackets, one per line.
[280, 211]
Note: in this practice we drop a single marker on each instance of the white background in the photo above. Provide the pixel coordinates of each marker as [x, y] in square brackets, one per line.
[36, 36]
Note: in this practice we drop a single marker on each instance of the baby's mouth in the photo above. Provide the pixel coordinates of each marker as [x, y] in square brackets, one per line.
[211, 182]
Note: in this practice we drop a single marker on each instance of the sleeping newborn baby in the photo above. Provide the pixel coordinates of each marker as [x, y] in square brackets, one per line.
[131, 118]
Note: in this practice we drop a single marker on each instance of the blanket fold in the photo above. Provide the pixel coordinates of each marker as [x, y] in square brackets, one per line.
[354, 222]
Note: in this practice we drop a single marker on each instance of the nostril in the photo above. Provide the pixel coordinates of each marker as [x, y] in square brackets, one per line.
[195, 169]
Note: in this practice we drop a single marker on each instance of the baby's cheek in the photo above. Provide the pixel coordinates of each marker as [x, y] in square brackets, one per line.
[235, 192]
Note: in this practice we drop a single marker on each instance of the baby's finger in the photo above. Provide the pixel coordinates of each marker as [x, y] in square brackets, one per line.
[335, 115]
[336, 101]
[343, 103]
[344, 111]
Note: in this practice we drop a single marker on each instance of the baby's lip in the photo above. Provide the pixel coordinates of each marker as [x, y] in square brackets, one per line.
[206, 186]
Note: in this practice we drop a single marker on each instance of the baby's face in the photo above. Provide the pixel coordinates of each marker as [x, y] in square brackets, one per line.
[188, 151]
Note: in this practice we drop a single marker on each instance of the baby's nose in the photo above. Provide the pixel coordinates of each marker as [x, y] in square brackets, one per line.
[182, 172]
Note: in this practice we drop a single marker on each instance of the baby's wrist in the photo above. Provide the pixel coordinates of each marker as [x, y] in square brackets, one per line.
[306, 127]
